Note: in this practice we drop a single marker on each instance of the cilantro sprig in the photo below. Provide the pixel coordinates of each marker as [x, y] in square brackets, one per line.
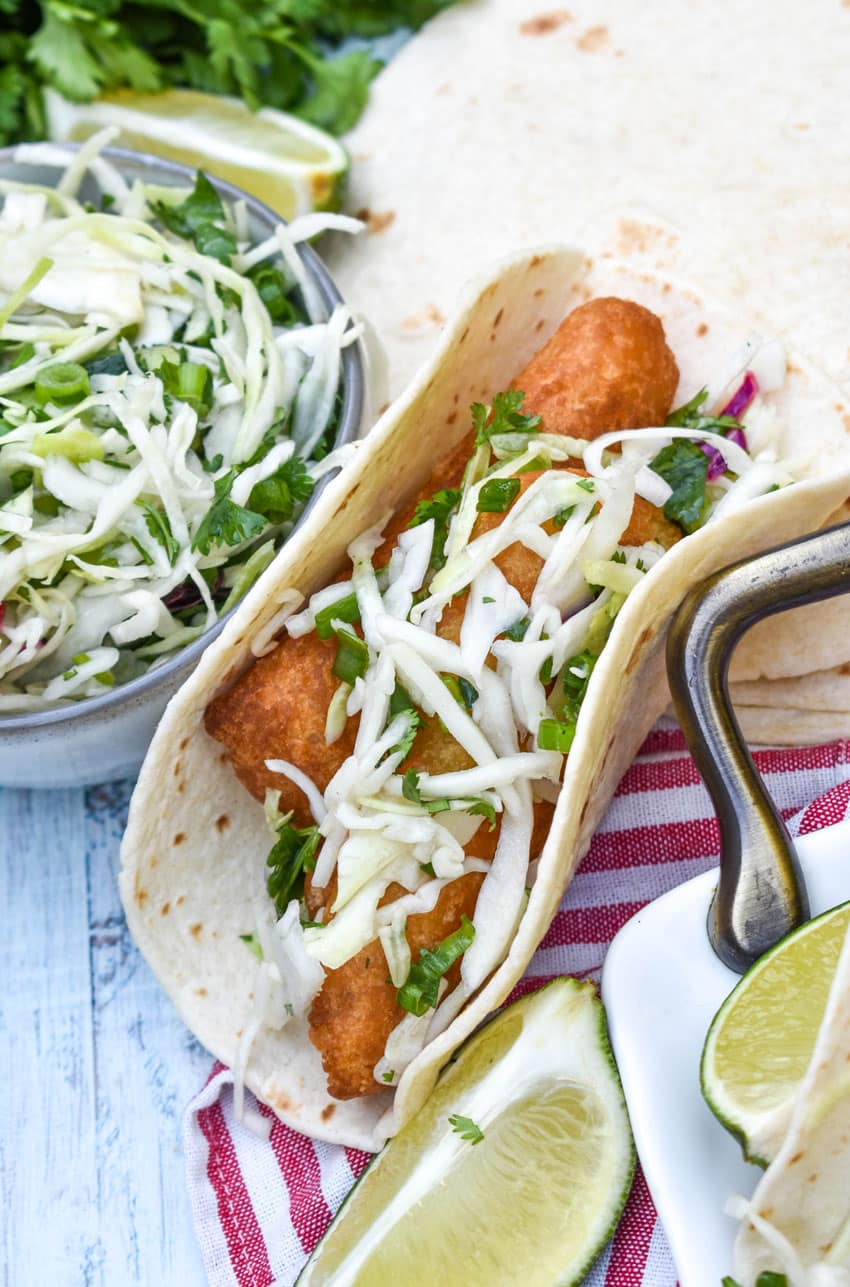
[272, 53]
[419, 993]
[440, 507]
[505, 416]
[292, 854]
[466, 1128]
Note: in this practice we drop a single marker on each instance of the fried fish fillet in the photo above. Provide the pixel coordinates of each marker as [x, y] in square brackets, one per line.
[607, 367]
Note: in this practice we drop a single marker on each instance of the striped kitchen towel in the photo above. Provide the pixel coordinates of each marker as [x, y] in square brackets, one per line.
[260, 1207]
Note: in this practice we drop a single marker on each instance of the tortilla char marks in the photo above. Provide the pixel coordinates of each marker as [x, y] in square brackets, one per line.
[426, 320]
[376, 220]
[596, 40]
[196, 930]
[328, 1112]
[637, 651]
[545, 23]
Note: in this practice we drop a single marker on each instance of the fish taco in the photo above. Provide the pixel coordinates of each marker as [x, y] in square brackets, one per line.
[358, 817]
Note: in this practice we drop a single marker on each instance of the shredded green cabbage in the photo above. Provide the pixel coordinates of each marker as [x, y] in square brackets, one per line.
[162, 399]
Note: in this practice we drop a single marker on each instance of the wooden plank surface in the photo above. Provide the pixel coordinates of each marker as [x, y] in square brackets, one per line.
[96, 1066]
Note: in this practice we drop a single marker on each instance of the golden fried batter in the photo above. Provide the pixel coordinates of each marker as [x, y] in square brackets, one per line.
[606, 367]
[357, 1009]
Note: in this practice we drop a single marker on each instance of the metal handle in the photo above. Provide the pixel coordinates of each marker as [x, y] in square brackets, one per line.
[760, 893]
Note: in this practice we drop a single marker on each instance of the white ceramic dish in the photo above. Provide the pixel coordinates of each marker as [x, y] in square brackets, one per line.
[103, 738]
[662, 985]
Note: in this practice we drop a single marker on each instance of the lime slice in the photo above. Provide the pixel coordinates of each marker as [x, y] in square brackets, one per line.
[534, 1200]
[761, 1039]
[292, 166]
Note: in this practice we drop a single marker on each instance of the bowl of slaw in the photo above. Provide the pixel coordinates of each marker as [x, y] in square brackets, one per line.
[178, 374]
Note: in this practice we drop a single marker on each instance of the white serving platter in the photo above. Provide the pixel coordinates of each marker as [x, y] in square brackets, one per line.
[662, 985]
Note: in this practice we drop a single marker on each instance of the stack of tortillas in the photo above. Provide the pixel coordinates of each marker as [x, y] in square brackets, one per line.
[712, 141]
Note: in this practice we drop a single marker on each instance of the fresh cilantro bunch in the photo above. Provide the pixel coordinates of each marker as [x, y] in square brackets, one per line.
[275, 53]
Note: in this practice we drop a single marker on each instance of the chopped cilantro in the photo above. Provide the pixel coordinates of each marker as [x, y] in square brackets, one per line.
[199, 219]
[497, 495]
[688, 417]
[466, 1128]
[685, 467]
[420, 991]
[225, 522]
[277, 496]
[505, 416]
[159, 526]
[291, 855]
[586, 484]
[440, 507]
[518, 630]
[388, 1076]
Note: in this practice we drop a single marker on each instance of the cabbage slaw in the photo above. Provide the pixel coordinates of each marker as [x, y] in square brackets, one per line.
[167, 393]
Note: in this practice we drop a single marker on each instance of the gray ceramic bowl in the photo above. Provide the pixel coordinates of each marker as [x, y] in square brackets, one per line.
[101, 738]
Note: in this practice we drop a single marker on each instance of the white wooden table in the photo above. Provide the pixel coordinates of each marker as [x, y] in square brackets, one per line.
[96, 1066]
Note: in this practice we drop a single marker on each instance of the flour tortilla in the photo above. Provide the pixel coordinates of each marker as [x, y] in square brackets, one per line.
[804, 1196]
[509, 123]
[194, 851]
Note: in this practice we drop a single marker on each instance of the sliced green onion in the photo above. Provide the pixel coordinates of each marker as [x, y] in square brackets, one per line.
[62, 382]
[191, 382]
[341, 610]
[497, 494]
[352, 657]
[421, 991]
[76, 443]
[552, 735]
[400, 701]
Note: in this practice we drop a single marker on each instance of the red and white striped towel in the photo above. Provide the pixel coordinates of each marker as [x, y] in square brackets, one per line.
[260, 1207]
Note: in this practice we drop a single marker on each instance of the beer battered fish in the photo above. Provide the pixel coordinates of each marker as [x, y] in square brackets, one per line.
[607, 367]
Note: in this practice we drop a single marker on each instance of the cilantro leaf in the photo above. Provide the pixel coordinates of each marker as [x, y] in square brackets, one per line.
[405, 742]
[466, 1128]
[685, 467]
[291, 855]
[225, 522]
[688, 417]
[420, 991]
[277, 496]
[338, 88]
[505, 416]
[440, 507]
[200, 219]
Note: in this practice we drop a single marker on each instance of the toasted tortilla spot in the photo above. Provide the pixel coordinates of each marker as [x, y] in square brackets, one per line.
[181, 900]
[179, 838]
[141, 896]
[702, 329]
[196, 930]
[165, 909]
[594, 40]
[376, 220]
[796, 1157]
[497, 319]
[328, 1112]
[222, 822]
[450, 419]
[154, 862]
[545, 23]
[200, 992]
[175, 772]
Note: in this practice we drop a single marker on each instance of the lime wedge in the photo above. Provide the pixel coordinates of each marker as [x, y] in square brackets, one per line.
[290, 165]
[524, 1184]
[761, 1039]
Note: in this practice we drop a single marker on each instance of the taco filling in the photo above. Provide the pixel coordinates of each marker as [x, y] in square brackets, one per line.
[409, 733]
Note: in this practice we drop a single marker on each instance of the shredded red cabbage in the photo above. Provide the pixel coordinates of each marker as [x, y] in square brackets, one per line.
[738, 403]
[716, 462]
